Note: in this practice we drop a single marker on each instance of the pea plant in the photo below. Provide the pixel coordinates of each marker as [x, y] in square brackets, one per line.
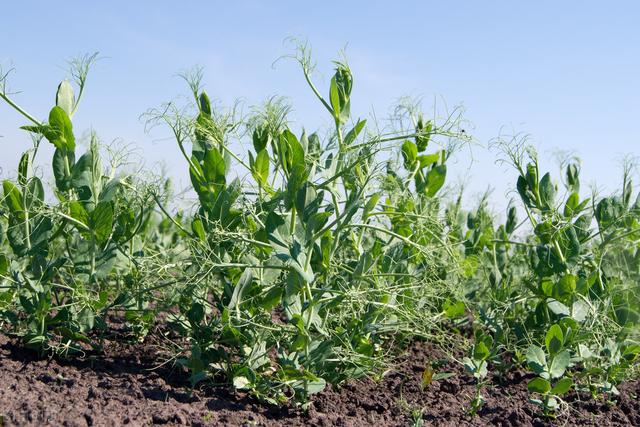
[556, 286]
[308, 258]
[305, 267]
[70, 261]
[550, 368]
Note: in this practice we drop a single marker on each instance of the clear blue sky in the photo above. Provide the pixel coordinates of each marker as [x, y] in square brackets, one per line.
[564, 72]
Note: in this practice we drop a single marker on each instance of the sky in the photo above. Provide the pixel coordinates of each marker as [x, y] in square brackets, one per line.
[564, 73]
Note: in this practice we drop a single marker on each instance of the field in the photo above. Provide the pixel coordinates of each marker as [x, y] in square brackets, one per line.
[333, 277]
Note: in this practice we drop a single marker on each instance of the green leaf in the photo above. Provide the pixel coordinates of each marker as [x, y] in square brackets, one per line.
[102, 221]
[559, 364]
[480, 351]
[82, 176]
[238, 290]
[315, 386]
[562, 386]
[296, 182]
[525, 193]
[435, 179]
[60, 132]
[295, 151]
[34, 194]
[334, 98]
[566, 286]
[409, 154]
[570, 207]
[286, 248]
[198, 229]
[86, 319]
[453, 309]
[62, 164]
[353, 133]
[271, 299]
[579, 310]
[13, 199]
[608, 210]
[214, 168]
[557, 308]
[536, 359]
[241, 382]
[23, 169]
[79, 213]
[4, 265]
[532, 177]
[204, 104]
[554, 339]
[261, 138]
[428, 159]
[260, 167]
[423, 133]
[573, 180]
[65, 97]
[109, 191]
[539, 385]
[512, 220]
[547, 191]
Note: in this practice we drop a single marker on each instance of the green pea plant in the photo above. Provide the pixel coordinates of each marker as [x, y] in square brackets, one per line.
[72, 261]
[298, 258]
[558, 280]
[477, 365]
[300, 274]
[549, 366]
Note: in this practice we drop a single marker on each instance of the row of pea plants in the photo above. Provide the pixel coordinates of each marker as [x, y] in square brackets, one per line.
[314, 258]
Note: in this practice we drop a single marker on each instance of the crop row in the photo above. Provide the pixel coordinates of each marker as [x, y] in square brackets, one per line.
[321, 255]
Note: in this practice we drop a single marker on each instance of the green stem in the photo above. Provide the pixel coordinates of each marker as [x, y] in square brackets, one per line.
[292, 226]
[19, 109]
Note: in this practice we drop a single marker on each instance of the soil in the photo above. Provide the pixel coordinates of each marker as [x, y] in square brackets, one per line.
[126, 385]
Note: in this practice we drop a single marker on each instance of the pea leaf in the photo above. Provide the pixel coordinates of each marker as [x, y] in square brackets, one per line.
[60, 130]
[435, 179]
[198, 229]
[13, 198]
[65, 97]
[512, 220]
[23, 169]
[286, 248]
[573, 180]
[539, 385]
[315, 386]
[428, 159]
[370, 205]
[536, 359]
[566, 286]
[453, 309]
[547, 191]
[334, 97]
[559, 364]
[562, 386]
[570, 207]
[409, 154]
[4, 265]
[79, 213]
[480, 351]
[243, 284]
[34, 194]
[213, 167]
[62, 164]
[260, 167]
[102, 221]
[554, 339]
[353, 133]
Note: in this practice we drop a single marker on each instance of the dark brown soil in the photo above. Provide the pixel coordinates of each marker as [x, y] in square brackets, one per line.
[126, 386]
